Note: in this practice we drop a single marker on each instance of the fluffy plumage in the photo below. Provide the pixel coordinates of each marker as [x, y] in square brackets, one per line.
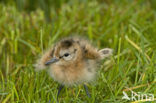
[76, 61]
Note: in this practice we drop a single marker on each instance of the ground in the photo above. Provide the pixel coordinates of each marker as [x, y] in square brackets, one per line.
[128, 27]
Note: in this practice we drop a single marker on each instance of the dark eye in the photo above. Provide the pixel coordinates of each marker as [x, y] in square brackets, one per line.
[66, 54]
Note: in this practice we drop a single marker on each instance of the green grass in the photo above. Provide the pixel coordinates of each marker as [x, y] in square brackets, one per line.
[127, 27]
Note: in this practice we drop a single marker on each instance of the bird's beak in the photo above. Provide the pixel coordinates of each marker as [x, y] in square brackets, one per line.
[53, 60]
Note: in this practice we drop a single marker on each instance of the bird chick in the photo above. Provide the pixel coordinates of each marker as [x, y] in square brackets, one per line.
[73, 61]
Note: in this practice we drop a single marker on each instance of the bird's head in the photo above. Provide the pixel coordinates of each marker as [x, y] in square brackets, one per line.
[64, 53]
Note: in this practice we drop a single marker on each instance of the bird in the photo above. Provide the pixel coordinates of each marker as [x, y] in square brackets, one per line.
[72, 61]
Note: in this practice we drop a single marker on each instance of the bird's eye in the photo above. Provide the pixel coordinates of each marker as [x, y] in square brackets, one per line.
[66, 54]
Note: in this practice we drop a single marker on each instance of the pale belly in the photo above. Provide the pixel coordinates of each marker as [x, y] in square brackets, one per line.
[71, 76]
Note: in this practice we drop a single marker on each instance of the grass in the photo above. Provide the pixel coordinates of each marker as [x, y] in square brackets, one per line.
[127, 27]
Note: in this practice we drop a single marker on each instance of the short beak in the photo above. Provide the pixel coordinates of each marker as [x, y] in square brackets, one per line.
[53, 60]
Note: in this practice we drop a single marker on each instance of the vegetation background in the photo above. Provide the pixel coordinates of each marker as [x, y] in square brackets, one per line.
[28, 27]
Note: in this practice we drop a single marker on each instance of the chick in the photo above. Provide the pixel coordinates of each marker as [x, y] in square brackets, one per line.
[72, 61]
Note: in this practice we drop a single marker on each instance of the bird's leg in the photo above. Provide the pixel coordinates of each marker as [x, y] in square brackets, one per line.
[59, 90]
[86, 90]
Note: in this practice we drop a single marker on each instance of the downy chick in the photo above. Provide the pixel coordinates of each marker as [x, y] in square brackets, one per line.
[73, 61]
